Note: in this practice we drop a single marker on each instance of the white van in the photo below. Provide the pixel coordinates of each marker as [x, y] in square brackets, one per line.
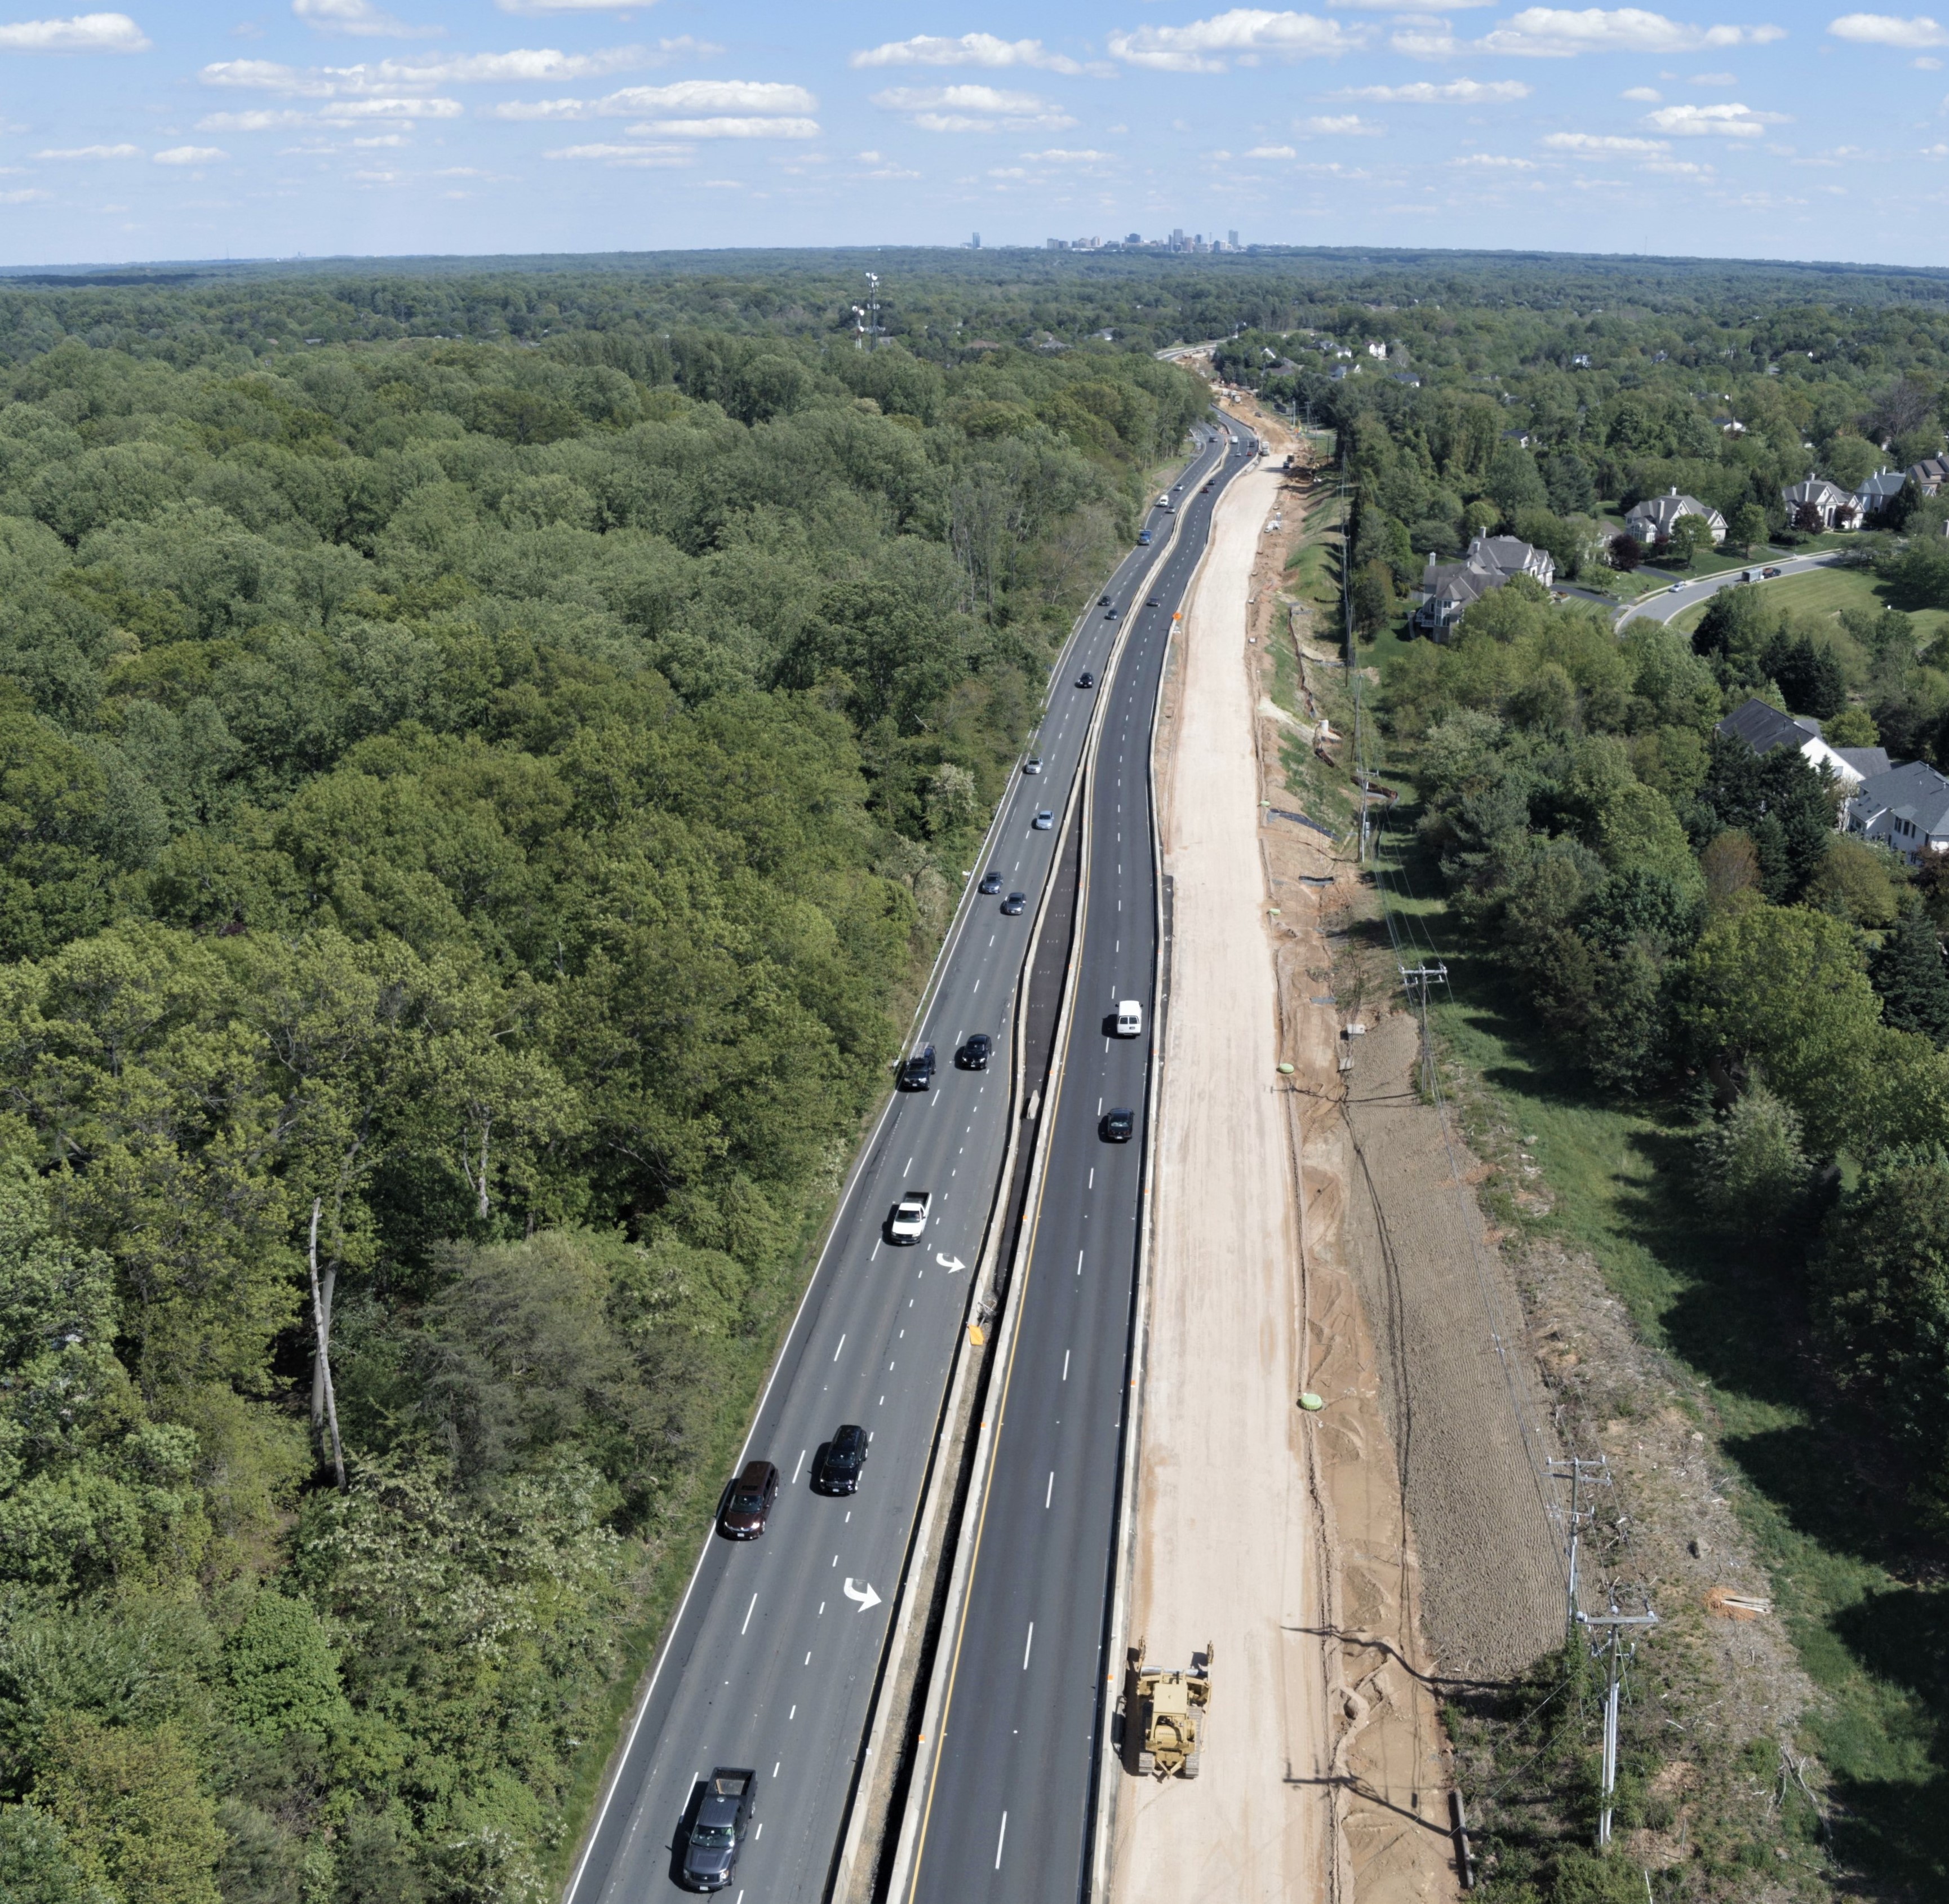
[1129, 1019]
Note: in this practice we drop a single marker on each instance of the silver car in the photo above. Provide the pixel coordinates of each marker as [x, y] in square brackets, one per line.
[1043, 821]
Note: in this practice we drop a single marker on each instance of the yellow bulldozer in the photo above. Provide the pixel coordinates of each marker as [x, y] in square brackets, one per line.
[1164, 1710]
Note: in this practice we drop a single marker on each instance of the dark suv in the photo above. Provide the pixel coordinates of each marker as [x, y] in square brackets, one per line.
[974, 1055]
[836, 1468]
[724, 1814]
[917, 1073]
[748, 1503]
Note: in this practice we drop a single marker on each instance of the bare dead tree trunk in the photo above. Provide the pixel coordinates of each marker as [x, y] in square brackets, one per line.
[323, 1400]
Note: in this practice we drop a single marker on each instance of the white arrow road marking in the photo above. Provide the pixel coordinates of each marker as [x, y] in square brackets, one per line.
[950, 1264]
[864, 1595]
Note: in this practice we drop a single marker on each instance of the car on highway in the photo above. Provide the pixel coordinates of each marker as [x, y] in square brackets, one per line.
[917, 1072]
[1129, 1019]
[1032, 764]
[1087, 679]
[1153, 603]
[973, 1055]
[1117, 1125]
[908, 1223]
[1043, 821]
[1769, 573]
[835, 1468]
[1102, 600]
[991, 882]
[1012, 906]
[723, 1815]
[748, 1502]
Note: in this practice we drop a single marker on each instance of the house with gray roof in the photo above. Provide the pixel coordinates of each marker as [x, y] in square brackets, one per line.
[1652, 521]
[1817, 503]
[1929, 474]
[1447, 588]
[1873, 498]
[1907, 807]
[1764, 728]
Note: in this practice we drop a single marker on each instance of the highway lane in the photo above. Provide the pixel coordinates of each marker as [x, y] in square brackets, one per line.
[771, 1660]
[1009, 1793]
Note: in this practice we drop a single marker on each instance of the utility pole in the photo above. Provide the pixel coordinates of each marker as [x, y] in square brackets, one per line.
[1615, 1653]
[1580, 1473]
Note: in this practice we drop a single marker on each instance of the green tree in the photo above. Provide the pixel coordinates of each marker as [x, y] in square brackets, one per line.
[1373, 599]
[1754, 1174]
[36, 1865]
[1749, 527]
[1907, 971]
[283, 1670]
[1690, 534]
[137, 1820]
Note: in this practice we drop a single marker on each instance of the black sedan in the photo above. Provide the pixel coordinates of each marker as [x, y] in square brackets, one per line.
[835, 1470]
[1086, 680]
[1118, 1126]
[974, 1055]
[1013, 903]
[991, 882]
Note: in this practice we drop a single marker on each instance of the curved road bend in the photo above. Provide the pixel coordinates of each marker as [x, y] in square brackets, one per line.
[1669, 601]
[772, 1658]
[1009, 1800]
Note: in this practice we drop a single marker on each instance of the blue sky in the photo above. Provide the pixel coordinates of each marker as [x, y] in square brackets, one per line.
[387, 126]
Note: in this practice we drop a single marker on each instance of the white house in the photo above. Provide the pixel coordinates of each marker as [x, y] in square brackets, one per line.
[1818, 502]
[1764, 728]
[1907, 807]
[1652, 521]
[1447, 588]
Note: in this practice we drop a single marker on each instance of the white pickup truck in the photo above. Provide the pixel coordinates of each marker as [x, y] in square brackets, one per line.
[909, 1221]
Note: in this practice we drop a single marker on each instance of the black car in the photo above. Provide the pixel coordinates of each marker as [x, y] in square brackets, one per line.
[1086, 680]
[1153, 603]
[1013, 903]
[1118, 1126]
[835, 1470]
[724, 1814]
[974, 1055]
[748, 1502]
[991, 882]
[1102, 600]
[917, 1073]
[1109, 614]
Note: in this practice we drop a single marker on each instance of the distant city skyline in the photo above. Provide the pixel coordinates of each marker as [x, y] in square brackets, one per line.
[335, 126]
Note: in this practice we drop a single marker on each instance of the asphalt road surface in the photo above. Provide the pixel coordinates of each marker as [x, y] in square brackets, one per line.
[1008, 1803]
[771, 1660]
[1669, 601]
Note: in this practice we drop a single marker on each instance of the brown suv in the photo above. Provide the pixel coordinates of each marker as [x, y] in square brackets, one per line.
[748, 1504]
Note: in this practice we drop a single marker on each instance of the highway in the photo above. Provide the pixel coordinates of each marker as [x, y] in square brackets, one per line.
[772, 1658]
[1005, 1808]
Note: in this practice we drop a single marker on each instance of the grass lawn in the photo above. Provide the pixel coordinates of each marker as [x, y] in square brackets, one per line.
[1827, 591]
[1860, 1587]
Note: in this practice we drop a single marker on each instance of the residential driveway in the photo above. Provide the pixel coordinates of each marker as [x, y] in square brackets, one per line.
[1667, 602]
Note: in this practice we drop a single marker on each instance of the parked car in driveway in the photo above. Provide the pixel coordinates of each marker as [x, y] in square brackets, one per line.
[836, 1468]
[748, 1504]
[1043, 821]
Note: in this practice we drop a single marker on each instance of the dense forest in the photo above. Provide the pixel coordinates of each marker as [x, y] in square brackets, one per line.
[470, 816]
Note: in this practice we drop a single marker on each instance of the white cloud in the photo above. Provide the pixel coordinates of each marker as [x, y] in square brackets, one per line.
[540, 109]
[1559, 32]
[92, 152]
[1272, 152]
[1714, 79]
[1245, 34]
[1927, 63]
[1063, 155]
[573, 6]
[1645, 95]
[26, 196]
[1340, 126]
[637, 155]
[85, 32]
[1602, 142]
[1677, 169]
[347, 111]
[1889, 29]
[711, 96]
[1432, 42]
[191, 155]
[1457, 92]
[725, 126]
[260, 121]
[1495, 160]
[970, 49]
[543, 65]
[359, 18]
[972, 109]
[1714, 122]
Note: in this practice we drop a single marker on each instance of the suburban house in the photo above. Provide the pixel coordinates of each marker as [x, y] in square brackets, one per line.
[1447, 588]
[1874, 496]
[1907, 807]
[1764, 728]
[1652, 521]
[1819, 503]
[1929, 474]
